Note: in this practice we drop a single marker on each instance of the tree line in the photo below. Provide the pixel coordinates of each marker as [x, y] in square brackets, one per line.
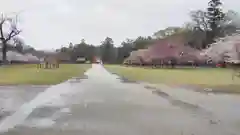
[205, 26]
[107, 51]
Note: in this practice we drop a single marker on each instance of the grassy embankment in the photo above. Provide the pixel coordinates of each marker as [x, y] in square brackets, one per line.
[30, 74]
[219, 80]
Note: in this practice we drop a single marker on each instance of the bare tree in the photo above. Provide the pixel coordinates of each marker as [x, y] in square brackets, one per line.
[167, 32]
[199, 18]
[8, 31]
[18, 44]
[230, 23]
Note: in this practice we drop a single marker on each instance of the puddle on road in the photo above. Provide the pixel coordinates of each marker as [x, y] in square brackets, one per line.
[195, 109]
[13, 97]
[77, 79]
[45, 117]
[44, 111]
[160, 93]
[124, 79]
[173, 101]
[4, 114]
[39, 123]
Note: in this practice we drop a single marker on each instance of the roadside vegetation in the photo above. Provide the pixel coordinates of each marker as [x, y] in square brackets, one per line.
[217, 79]
[29, 74]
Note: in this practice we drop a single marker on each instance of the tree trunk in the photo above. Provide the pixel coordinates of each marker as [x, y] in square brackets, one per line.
[4, 53]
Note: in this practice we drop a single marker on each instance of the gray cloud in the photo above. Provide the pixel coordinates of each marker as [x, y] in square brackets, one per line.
[49, 24]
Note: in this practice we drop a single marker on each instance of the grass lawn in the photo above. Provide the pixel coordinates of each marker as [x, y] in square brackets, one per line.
[30, 74]
[218, 79]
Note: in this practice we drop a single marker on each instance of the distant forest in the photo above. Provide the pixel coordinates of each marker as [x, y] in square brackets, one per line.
[203, 29]
[205, 26]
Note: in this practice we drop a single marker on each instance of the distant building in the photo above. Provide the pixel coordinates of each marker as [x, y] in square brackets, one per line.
[60, 56]
[81, 60]
[15, 57]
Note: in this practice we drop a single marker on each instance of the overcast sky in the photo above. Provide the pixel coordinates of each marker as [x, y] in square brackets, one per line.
[50, 24]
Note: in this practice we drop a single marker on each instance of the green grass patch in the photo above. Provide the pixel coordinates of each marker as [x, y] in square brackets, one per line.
[30, 74]
[219, 79]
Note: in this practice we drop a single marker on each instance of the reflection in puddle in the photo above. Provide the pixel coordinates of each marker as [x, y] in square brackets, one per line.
[39, 123]
[124, 79]
[13, 97]
[45, 111]
[77, 79]
[65, 110]
[4, 114]
[193, 108]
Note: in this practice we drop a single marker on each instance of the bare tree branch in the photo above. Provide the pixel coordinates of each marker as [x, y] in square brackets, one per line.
[1, 29]
[2, 22]
[237, 51]
[7, 34]
[2, 36]
[12, 34]
[200, 19]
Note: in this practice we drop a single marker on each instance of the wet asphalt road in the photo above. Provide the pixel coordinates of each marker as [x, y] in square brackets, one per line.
[104, 104]
[13, 97]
